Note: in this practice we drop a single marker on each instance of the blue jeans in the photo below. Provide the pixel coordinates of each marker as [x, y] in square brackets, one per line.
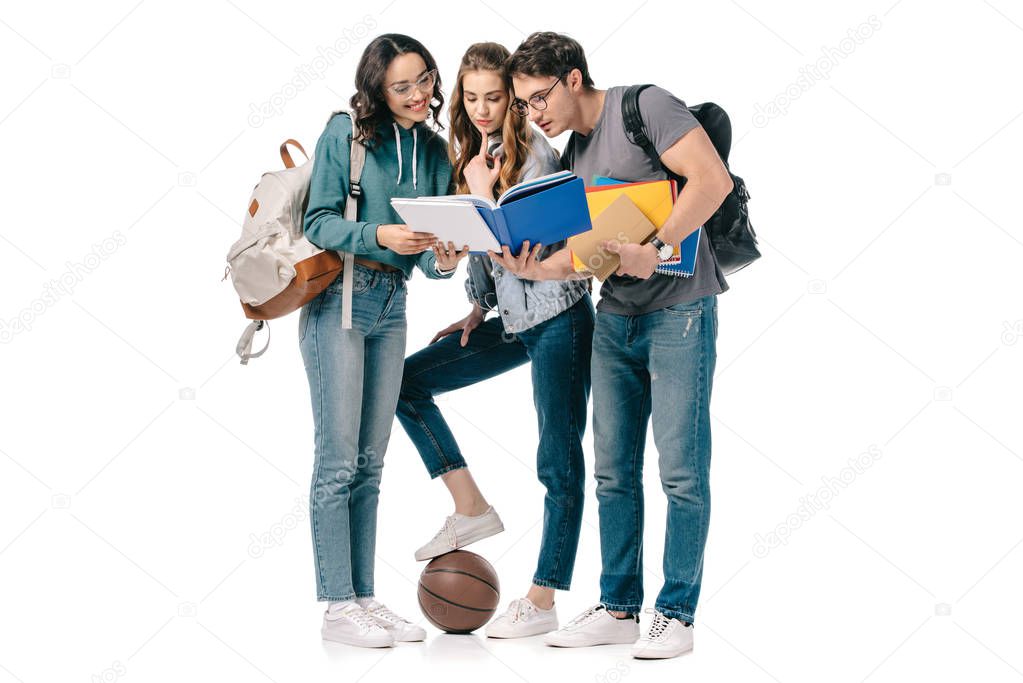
[559, 350]
[660, 364]
[354, 379]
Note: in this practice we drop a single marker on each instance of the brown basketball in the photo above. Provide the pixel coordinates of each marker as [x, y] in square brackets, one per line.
[459, 591]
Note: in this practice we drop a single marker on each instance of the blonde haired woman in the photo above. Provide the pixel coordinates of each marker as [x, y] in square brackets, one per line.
[548, 324]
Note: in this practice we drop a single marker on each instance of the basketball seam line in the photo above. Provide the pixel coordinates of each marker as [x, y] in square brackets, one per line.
[464, 573]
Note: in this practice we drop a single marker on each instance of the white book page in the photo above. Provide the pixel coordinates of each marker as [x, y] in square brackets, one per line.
[548, 179]
[473, 198]
[455, 221]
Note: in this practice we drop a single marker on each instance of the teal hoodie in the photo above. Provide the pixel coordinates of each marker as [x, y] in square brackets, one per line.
[421, 169]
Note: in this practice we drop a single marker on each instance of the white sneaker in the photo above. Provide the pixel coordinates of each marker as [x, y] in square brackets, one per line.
[353, 625]
[522, 619]
[595, 626]
[403, 630]
[666, 637]
[460, 530]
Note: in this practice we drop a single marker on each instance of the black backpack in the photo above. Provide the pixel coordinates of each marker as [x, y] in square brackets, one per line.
[732, 239]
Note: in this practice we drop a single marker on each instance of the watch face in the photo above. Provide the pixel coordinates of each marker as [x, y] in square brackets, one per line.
[665, 252]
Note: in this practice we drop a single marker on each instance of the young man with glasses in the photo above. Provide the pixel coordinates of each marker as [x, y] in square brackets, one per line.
[653, 346]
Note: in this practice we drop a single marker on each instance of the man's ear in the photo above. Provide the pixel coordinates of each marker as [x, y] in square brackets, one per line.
[575, 79]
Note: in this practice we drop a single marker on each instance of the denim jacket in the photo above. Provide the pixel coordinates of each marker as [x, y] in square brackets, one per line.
[522, 303]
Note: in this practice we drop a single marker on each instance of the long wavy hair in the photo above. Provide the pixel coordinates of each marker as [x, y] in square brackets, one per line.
[369, 103]
[465, 138]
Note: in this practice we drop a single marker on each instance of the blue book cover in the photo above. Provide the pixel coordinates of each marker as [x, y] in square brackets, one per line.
[541, 212]
[683, 263]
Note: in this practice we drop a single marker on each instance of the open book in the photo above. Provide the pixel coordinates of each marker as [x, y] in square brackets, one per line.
[543, 210]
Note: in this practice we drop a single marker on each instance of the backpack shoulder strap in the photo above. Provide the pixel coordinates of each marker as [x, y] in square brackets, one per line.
[357, 160]
[635, 131]
[711, 117]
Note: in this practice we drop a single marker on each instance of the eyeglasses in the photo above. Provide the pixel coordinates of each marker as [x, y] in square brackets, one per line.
[537, 102]
[424, 83]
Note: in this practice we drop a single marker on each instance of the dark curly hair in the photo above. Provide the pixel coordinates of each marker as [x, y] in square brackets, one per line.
[369, 103]
[546, 53]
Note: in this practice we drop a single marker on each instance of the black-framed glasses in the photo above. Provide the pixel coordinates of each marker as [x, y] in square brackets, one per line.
[538, 101]
[424, 83]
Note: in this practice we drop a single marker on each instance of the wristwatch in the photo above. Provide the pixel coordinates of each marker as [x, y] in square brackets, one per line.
[664, 251]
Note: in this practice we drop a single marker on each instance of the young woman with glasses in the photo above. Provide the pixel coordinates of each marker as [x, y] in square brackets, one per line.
[355, 374]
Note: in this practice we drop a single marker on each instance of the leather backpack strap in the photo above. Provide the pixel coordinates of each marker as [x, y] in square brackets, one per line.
[286, 153]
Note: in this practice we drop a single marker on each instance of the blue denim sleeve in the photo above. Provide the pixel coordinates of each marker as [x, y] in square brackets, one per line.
[480, 287]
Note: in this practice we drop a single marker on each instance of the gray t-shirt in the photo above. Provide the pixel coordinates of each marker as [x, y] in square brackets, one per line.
[607, 151]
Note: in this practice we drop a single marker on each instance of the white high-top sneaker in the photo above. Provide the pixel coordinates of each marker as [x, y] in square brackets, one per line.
[595, 626]
[353, 625]
[522, 619]
[666, 637]
[459, 531]
[403, 630]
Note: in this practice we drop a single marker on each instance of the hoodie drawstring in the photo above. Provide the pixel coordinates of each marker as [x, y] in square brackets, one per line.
[415, 154]
[415, 146]
[397, 148]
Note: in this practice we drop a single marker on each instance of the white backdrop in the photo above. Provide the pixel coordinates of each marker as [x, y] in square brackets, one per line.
[866, 472]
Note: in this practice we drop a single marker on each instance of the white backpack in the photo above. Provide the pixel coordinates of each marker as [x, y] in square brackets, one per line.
[273, 267]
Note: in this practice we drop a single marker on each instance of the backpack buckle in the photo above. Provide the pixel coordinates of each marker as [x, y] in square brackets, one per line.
[356, 190]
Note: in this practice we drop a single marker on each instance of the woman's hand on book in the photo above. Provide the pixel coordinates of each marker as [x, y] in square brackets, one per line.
[466, 325]
[447, 256]
[526, 265]
[478, 176]
[399, 239]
